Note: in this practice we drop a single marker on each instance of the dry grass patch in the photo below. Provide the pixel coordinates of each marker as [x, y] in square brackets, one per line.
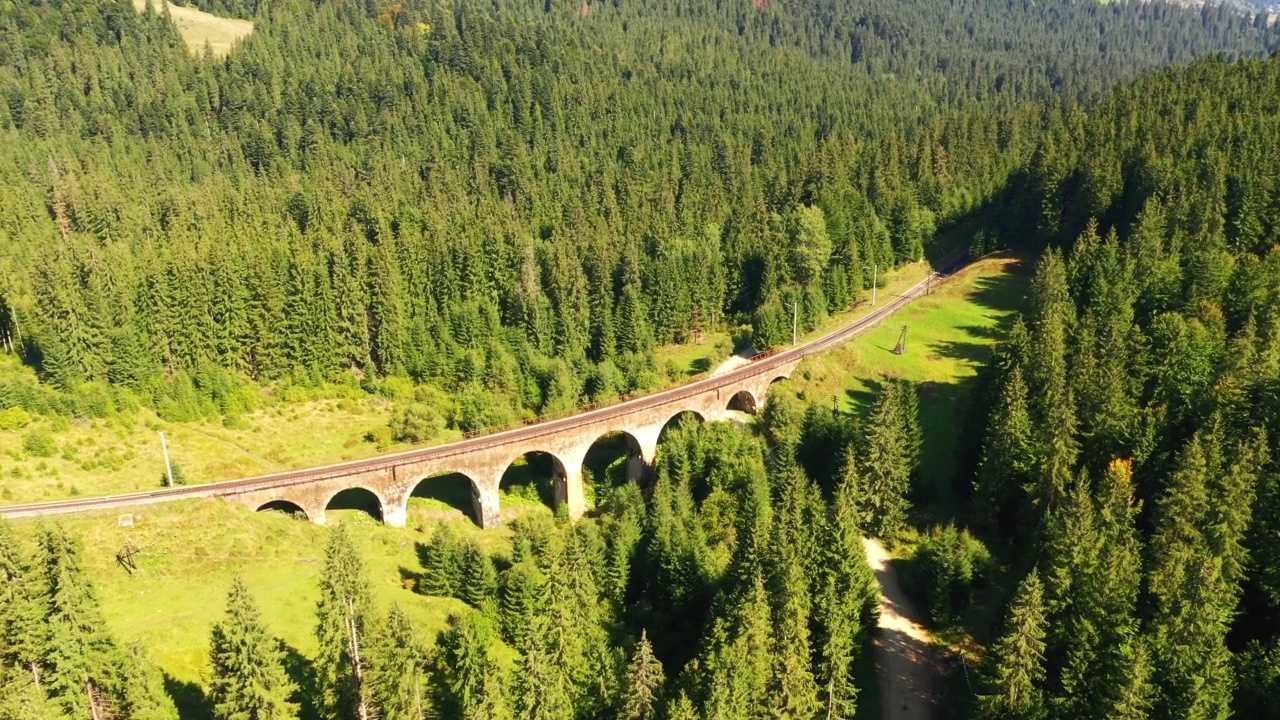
[199, 29]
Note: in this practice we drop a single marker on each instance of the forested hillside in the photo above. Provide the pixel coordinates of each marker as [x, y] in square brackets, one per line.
[1131, 421]
[513, 202]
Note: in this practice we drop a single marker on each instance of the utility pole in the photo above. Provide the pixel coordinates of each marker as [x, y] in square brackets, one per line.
[794, 317]
[875, 276]
[901, 349]
[168, 468]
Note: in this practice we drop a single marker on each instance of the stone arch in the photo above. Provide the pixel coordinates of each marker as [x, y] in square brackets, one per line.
[357, 498]
[743, 401]
[451, 488]
[680, 417]
[778, 379]
[601, 456]
[536, 474]
[285, 506]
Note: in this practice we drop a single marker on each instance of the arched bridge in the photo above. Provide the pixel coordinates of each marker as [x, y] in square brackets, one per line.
[393, 478]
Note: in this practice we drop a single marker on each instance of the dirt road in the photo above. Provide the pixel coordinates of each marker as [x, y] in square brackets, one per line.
[906, 663]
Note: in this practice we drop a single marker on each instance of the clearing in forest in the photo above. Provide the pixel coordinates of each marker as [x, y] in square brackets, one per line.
[198, 28]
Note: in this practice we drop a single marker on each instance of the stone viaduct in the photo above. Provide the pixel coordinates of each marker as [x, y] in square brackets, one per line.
[392, 479]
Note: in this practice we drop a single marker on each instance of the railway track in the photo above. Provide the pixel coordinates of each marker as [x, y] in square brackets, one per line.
[760, 365]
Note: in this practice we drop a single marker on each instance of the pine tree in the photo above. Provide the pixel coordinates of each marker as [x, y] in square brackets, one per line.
[479, 582]
[644, 683]
[1008, 458]
[475, 678]
[520, 601]
[249, 681]
[397, 666]
[886, 462]
[1016, 664]
[343, 631]
[23, 628]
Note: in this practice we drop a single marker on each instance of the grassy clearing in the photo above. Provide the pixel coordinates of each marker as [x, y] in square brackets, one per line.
[192, 550]
[950, 334]
[122, 453]
[199, 29]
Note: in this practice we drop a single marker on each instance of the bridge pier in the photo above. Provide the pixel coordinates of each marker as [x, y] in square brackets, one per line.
[487, 506]
[395, 516]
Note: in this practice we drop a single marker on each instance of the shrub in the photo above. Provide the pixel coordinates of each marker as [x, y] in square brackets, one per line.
[15, 418]
[948, 564]
[40, 444]
[380, 436]
[417, 422]
[179, 475]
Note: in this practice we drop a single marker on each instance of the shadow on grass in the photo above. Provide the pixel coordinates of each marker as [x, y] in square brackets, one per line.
[189, 698]
[699, 366]
[303, 675]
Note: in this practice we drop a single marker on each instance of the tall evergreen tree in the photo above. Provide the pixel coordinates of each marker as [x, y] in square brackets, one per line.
[644, 683]
[249, 681]
[1015, 669]
[343, 631]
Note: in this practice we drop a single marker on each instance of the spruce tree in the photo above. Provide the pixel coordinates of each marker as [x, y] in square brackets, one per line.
[343, 629]
[23, 629]
[479, 581]
[1008, 457]
[848, 605]
[544, 688]
[886, 462]
[86, 666]
[643, 683]
[249, 681]
[476, 684]
[397, 666]
[520, 601]
[1015, 667]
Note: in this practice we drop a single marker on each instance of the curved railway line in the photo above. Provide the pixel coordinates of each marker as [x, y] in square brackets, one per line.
[542, 426]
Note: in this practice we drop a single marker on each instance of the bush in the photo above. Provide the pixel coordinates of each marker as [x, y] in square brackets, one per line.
[415, 423]
[380, 436]
[179, 476]
[948, 564]
[40, 444]
[15, 418]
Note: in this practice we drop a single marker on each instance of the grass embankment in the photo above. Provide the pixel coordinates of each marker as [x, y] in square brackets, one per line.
[199, 29]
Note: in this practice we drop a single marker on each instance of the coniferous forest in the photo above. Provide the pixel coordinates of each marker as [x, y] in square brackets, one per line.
[517, 203]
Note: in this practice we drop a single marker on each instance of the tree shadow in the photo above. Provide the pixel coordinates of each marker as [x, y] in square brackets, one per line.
[699, 366]
[1004, 292]
[303, 674]
[189, 698]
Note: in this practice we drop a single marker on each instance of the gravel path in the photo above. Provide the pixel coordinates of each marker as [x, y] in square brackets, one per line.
[906, 662]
